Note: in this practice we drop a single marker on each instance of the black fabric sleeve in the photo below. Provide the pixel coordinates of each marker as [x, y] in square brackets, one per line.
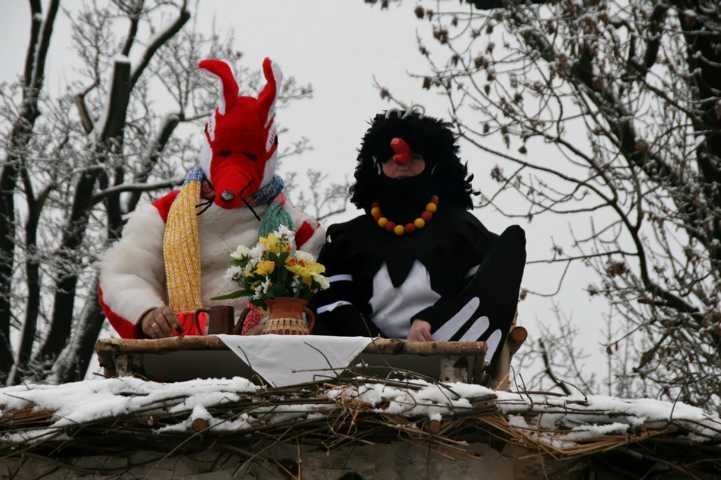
[477, 241]
[336, 308]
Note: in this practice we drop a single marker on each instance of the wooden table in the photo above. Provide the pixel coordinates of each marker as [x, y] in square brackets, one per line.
[176, 359]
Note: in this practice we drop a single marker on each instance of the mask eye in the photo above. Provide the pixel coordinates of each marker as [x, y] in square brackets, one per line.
[224, 153]
[252, 156]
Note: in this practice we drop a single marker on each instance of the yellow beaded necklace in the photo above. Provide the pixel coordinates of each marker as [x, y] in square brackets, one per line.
[408, 228]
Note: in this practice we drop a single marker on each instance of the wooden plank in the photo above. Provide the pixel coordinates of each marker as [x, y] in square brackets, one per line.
[211, 342]
[123, 366]
[397, 346]
[122, 357]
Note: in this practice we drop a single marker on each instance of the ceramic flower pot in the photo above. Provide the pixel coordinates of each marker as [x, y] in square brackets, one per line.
[285, 317]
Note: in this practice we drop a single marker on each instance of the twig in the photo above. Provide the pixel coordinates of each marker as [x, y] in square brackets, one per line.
[135, 187]
[549, 370]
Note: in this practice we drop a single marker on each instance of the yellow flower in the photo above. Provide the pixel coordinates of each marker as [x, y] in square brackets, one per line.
[315, 268]
[265, 267]
[322, 281]
[304, 256]
[305, 270]
[272, 243]
[269, 242]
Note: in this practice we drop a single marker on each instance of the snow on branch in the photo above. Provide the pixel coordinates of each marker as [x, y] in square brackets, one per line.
[136, 187]
[37, 416]
[158, 42]
[38, 58]
[112, 119]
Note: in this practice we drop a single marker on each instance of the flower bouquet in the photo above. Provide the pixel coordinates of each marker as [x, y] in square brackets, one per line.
[277, 277]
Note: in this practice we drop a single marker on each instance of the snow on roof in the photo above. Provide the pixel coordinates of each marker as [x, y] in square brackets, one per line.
[236, 405]
[93, 400]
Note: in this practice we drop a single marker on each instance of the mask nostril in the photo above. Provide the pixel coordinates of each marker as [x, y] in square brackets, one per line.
[227, 195]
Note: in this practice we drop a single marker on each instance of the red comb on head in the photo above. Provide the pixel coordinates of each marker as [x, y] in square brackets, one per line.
[402, 151]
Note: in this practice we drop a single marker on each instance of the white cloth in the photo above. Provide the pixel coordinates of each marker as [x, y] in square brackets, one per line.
[292, 359]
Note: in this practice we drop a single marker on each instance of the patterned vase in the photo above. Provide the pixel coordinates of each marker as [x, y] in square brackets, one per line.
[286, 317]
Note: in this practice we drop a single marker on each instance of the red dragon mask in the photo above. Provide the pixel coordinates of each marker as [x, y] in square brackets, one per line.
[240, 155]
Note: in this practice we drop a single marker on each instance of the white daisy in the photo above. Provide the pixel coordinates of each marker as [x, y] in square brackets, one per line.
[240, 253]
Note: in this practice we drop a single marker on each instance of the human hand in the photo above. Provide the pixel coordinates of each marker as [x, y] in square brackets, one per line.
[420, 331]
[160, 322]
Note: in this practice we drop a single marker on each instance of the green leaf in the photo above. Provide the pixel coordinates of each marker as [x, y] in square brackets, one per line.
[230, 296]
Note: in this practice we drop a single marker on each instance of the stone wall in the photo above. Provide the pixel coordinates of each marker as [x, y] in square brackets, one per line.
[397, 460]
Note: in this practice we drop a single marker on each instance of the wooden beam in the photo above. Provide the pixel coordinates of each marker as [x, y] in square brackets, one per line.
[397, 346]
[516, 338]
[211, 342]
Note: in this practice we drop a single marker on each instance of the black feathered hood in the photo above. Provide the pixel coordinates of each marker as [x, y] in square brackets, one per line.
[444, 174]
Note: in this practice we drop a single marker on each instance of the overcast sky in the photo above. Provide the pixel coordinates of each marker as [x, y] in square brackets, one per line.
[338, 47]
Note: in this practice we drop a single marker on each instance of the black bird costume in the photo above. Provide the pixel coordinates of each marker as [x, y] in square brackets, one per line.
[418, 253]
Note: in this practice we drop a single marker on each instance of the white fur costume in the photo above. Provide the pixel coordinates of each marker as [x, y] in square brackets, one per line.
[240, 151]
[132, 275]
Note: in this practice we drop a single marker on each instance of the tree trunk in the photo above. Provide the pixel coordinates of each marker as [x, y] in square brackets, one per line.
[110, 140]
[72, 365]
[151, 158]
[75, 358]
[704, 59]
[34, 287]
[34, 75]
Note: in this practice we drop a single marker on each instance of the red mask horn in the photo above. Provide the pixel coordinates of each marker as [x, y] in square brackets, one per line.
[222, 70]
[402, 151]
[267, 96]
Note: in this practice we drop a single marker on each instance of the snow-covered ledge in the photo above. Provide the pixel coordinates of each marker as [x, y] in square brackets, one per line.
[124, 416]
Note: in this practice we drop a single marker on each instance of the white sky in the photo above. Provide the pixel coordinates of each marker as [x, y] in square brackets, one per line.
[338, 47]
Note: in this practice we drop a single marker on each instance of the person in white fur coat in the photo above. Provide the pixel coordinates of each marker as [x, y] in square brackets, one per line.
[173, 254]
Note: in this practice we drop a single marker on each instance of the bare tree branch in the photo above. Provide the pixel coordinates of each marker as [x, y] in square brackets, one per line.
[549, 370]
[624, 97]
[15, 155]
[159, 41]
[135, 187]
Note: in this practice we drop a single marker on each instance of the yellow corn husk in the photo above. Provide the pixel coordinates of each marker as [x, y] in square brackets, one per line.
[181, 251]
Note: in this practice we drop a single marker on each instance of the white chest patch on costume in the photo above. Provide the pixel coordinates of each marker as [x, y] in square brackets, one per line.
[393, 307]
